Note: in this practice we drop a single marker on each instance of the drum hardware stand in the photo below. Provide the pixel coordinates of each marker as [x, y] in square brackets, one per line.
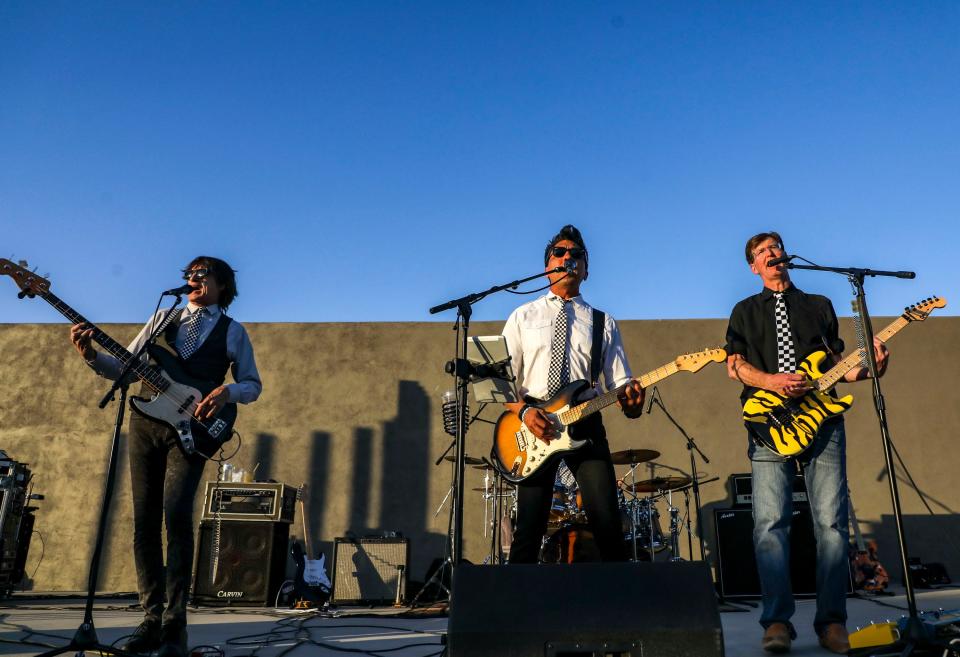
[462, 370]
[86, 637]
[695, 485]
[916, 633]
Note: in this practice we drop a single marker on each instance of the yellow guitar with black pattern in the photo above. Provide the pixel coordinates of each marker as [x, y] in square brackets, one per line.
[788, 425]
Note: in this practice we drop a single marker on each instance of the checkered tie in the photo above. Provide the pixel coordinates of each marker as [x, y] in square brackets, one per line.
[786, 356]
[191, 342]
[559, 372]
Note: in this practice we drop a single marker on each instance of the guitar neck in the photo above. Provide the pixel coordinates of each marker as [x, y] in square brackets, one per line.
[600, 402]
[835, 373]
[145, 373]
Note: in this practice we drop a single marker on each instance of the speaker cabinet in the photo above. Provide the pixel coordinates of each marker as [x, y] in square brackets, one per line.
[366, 570]
[252, 563]
[737, 563]
[584, 610]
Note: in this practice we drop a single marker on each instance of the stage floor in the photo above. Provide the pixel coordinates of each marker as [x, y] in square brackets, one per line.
[29, 624]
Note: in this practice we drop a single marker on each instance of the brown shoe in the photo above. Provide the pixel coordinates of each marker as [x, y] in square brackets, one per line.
[835, 639]
[776, 638]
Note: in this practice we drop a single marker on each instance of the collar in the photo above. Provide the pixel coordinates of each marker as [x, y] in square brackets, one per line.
[767, 293]
[551, 297]
[213, 311]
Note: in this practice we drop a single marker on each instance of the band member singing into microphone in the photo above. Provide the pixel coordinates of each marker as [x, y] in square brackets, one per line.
[551, 342]
[164, 481]
[768, 336]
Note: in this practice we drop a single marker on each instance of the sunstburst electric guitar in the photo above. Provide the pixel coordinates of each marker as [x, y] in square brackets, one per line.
[175, 394]
[788, 425]
[518, 454]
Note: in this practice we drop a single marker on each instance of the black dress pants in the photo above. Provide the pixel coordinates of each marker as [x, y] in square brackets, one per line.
[593, 470]
[164, 483]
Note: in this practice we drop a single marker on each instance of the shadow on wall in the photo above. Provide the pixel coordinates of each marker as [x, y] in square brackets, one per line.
[939, 534]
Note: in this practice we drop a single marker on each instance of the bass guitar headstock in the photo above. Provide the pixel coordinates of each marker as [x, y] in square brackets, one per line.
[696, 361]
[922, 309]
[30, 283]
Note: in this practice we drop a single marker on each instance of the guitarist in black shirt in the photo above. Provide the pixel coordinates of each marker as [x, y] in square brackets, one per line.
[768, 336]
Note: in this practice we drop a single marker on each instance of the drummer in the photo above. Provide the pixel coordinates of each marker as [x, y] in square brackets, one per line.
[552, 340]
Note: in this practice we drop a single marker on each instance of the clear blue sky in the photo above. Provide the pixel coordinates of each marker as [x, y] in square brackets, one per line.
[363, 161]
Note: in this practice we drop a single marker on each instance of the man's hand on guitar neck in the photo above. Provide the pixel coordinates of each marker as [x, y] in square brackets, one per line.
[631, 399]
[81, 336]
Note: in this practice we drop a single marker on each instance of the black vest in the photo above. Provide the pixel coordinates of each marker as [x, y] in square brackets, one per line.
[210, 362]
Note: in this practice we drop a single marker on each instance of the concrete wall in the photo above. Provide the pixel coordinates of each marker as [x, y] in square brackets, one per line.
[353, 410]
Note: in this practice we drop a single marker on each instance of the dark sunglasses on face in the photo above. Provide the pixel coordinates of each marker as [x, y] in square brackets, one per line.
[198, 274]
[576, 252]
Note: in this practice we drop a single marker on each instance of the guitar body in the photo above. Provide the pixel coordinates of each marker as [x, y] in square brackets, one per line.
[517, 453]
[176, 405]
[788, 425]
[308, 583]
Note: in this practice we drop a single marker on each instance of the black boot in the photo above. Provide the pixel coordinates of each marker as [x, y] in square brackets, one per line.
[173, 639]
[146, 638]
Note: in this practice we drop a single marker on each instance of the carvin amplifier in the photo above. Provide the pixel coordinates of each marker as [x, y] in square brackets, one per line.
[256, 501]
[741, 486]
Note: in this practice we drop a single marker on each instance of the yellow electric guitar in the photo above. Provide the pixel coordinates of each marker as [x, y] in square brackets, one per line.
[788, 425]
[518, 454]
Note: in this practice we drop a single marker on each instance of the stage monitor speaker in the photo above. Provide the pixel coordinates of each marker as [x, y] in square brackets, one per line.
[365, 570]
[737, 563]
[584, 610]
[252, 563]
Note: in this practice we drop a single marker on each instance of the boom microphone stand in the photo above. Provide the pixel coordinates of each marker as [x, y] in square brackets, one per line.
[85, 637]
[462, 370]
[915, 634]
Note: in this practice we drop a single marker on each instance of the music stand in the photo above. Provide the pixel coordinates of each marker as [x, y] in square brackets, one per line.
[494, 381]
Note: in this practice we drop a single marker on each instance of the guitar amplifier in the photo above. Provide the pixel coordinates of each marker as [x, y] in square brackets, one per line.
[256, 501]
[369, 570]
[741, 489]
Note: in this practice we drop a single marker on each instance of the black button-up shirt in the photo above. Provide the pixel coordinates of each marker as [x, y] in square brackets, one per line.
[752, 331]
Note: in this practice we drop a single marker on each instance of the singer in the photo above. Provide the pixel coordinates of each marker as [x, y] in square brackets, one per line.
[769, 334]
[165, 481]
[551, 340]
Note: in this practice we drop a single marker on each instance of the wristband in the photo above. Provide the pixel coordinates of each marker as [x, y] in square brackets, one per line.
[526, 407]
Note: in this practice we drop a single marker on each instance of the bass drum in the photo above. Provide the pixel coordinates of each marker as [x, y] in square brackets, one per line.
[574, 544]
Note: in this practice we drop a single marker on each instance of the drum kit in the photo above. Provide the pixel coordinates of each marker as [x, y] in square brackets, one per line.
[568, 538]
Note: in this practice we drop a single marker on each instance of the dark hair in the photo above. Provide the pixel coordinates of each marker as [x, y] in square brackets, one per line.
[568, 232]
[756, 239]
[224, 274]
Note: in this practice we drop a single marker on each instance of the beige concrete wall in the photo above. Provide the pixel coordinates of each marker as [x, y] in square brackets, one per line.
[353, 410]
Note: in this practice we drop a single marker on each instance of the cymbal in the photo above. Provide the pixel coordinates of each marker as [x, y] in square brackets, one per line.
[508, 490]
[657, 484]
[485, 466]
[467, 460]
[630, 456]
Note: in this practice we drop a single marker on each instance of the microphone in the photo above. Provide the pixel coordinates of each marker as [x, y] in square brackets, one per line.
[450, 412]
[570, 267]
[779, 261]
[183, 289]
[653, 393]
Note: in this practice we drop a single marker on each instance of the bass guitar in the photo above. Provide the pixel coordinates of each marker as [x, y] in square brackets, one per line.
[788, 425]
[175, 394]
[518, 454]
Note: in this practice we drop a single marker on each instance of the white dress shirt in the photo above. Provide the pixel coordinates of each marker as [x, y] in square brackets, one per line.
[247, 386]
[529, 332]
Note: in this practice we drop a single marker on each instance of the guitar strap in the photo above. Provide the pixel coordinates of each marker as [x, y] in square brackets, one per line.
[596, 351]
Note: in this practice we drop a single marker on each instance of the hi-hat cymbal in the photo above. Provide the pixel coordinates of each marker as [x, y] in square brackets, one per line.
[467, 460]
[631, 456]
[657, 484]
[484, 466]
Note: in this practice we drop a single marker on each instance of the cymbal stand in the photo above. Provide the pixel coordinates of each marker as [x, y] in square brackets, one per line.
[674, 528]
[632, 510]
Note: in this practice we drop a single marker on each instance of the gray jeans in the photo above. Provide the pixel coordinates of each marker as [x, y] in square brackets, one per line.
[164, 483]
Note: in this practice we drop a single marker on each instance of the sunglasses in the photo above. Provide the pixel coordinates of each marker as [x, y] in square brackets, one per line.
[576, 252]
[196, 274]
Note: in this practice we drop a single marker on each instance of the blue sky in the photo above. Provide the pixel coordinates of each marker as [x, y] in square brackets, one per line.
[363, 161]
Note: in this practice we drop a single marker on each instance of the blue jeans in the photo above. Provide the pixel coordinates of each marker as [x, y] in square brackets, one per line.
[825, 470]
